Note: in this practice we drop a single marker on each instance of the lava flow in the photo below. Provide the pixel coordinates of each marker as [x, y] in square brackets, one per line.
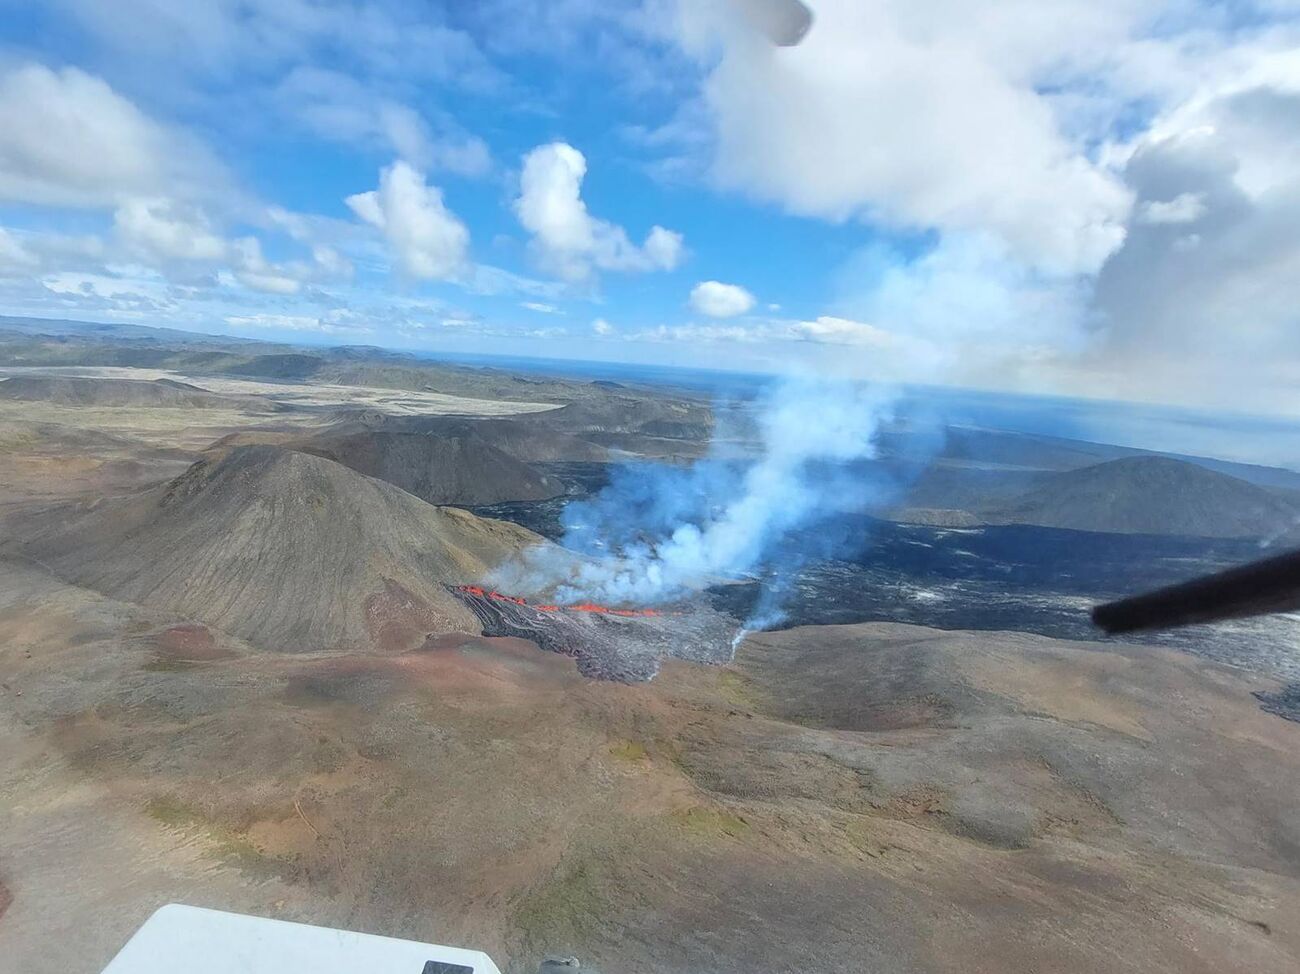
[481, 592]
[608, 643]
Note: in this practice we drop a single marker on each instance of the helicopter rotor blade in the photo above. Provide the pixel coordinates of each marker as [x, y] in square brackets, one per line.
[1256, 588]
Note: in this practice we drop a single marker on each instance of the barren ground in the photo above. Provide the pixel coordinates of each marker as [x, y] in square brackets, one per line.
[873, 797]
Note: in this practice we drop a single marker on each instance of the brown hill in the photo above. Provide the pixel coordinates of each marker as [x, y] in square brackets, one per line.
[75, 390]
[1153, 495]
[290, 552]
[527, 441]
[523, 439]
[665, 418]
[457, 468]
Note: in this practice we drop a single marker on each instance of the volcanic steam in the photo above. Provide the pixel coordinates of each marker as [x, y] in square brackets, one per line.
[658, 531]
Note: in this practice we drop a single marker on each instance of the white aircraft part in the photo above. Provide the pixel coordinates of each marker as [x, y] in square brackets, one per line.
[197, 941]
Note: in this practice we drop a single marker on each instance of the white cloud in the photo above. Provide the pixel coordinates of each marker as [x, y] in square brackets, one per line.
[602, 327]
[340, 108]
[665, 249]
[427, 239]
[1211, 316]
[718, 300]
[330, 261]
[703, 333]
[824, 330]
[566, 239]
[1071, 239]
[276, 322]
[125, 296]
[71, 140]
[489, 280]
[14, 257]
[320, 235]
[166, 230]
[541, 307]
[919, 117]
[1184, 208]
[842, 331]
[254, 271]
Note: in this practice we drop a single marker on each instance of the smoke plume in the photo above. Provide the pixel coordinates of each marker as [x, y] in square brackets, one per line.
[659, 531]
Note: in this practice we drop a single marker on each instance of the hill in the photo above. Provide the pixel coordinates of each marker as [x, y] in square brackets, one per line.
[530, 442]
[523, 439]
[73, 390]
[49, 342]
[459, 467]
[666, 418]
[290, 552]
[1152, 495]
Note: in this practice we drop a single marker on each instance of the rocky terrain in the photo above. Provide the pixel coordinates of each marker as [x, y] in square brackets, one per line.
[292, 551]
[459, 468]
[238, 669]
[608, 643]
[30, 342]
[1133, 494]
[887, 795]
[529, 440]
[1153, 495]
[88, 391]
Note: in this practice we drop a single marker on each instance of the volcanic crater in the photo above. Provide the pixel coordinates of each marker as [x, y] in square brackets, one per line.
[607, 642]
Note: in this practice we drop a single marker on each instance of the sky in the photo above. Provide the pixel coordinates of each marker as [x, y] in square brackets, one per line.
[1088, 197]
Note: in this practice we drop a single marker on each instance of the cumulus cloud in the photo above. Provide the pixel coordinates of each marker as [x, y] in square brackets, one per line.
[128, 295]
[320, 235]
[1211, 316]
[163, 229]
[718, 300]
[664, 249]
[254, 271]
[163, 232]
[14, 257]
[69, 139]
[1100, 197]
[602, 327]
[328, 325]
[842, 331]
[1184, 208]
[822, 330]
[428, 241]
[915, 117]
[566, 239]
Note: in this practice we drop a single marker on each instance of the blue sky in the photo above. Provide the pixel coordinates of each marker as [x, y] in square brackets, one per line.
[1087, 197]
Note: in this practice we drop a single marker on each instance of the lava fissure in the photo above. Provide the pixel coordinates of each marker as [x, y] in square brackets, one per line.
[608, 643]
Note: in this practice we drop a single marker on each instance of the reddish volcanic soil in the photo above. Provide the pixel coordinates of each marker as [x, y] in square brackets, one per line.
[190, 642]
[396, 619]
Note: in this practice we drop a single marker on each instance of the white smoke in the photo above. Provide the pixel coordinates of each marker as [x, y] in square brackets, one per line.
[678, 530]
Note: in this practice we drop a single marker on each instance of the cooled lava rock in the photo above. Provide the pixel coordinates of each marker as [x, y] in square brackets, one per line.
[608, 643]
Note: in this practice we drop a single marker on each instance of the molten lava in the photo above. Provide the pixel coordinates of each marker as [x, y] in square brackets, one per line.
[624, 644]
[481, 592]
